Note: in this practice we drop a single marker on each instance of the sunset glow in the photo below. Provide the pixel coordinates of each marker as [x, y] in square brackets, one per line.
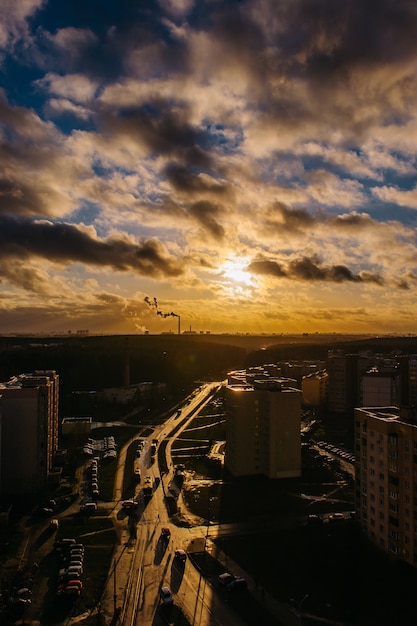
[250, 165]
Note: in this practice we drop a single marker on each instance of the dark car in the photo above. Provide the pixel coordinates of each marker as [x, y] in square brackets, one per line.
[238, 584]
[180, 555]
[225, 579]
[165, 595]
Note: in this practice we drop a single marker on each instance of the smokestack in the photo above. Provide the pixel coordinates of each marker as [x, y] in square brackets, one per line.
[127, 364]
[179, 325]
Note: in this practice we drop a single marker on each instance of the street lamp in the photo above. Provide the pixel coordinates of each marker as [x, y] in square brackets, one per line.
[300, 605]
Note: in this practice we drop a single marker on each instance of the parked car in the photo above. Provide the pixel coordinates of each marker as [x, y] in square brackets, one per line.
[88, 507]
[165, 595]
[165, 532]
[69, 591]
[70, 571]
[54, 524]
[62, 543]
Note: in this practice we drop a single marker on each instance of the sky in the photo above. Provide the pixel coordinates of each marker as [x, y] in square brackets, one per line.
[220, 166]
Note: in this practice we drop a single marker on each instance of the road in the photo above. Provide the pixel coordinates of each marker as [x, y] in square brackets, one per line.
[145, 562]
[152, 563]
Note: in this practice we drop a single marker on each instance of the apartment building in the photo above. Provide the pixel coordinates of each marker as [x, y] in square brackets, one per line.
[344, 381]
[315, 388]
[407, 366]
[379, 388]
[28, 431]
[263, 428]
[386, 478]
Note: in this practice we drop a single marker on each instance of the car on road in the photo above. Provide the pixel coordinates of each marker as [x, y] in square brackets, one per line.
[165, 595]
[238, 584]
[165, 532]
[180, 555]
[129, 504]
[225, 579]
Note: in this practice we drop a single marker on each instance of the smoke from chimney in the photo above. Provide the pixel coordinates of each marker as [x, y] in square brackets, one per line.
[154, 305]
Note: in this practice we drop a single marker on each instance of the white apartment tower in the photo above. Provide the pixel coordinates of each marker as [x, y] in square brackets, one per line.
[263, 429]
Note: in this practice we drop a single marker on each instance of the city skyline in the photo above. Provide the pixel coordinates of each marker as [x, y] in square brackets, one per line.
[239, 167]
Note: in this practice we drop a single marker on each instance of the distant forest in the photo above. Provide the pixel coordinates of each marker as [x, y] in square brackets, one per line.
[97, 362]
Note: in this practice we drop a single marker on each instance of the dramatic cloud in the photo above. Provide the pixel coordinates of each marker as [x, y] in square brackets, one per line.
[253, 164]
[67, 243]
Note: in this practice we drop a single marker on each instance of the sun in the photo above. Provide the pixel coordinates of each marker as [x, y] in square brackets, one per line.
[234, 271]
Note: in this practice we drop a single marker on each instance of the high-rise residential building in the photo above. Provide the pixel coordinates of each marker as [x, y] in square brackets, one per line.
[379, 388]
[315, 388]
[345, 372]
[263, 429]
[407, 365]
[28, 431]
[386, 478]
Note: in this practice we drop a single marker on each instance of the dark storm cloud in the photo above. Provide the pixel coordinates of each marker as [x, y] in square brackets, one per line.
[103, 36]
[67, 243]
[267, 268]
[205, 213]
[283, 217]
[310, 270]
[162, 128]
[20, 198]
[306, 269]
[187, 180]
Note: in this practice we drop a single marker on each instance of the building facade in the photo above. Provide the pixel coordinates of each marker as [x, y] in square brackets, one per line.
[28, 431]
[263, 429]
[386, 479]
[315, 388]
[379, 388]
